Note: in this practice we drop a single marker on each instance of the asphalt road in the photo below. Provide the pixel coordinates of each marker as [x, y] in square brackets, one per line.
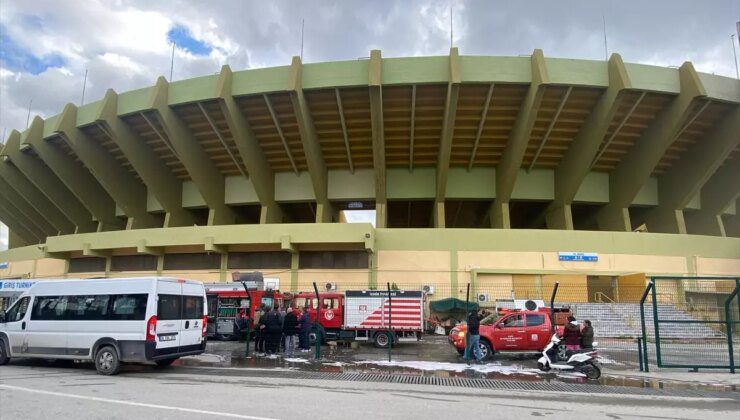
[33, 390]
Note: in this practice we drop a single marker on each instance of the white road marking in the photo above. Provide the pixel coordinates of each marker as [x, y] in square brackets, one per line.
[137, 404]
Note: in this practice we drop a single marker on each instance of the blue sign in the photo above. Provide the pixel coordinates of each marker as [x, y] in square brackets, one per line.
[15, 285]
[578, 256]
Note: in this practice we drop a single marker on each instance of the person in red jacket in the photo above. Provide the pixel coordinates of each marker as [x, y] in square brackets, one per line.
[572, 334]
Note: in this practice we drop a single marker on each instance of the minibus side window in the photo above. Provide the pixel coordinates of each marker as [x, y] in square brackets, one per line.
[128, 307]
[192, 308]
[88, 308]
[17, 311]
[49, 308]
[169, 307]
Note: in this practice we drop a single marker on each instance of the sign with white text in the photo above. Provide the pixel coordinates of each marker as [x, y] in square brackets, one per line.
[578, 256]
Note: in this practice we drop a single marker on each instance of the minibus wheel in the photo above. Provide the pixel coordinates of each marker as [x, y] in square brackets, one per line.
[106, 361]
[3, 354]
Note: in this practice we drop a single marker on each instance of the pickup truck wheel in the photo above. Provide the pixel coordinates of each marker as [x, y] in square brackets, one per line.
[381, 340]
[486, 350]
[4, 357]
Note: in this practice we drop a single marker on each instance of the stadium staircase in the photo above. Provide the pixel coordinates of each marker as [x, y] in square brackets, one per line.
[622, 320]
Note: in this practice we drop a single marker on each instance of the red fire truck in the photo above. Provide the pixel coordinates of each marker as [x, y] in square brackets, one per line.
[227, 300]
[365, 315]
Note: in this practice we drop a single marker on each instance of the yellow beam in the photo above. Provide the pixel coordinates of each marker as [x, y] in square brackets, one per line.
[312, 149]
[445, 142]
[204, 173]
[129, 193]
[258, 168]
[375, 82]
[516, 146]
[635, 169]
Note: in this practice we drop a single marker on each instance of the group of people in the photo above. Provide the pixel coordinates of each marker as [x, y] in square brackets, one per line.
[577, 336]
[276, 329]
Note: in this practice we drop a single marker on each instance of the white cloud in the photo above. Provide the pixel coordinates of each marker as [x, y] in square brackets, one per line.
[124, 46]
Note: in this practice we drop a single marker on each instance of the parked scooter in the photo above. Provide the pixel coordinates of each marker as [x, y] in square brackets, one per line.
[584, 361]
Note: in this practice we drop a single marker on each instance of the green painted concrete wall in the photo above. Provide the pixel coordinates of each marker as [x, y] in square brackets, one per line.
[291, 187]
[344, 185]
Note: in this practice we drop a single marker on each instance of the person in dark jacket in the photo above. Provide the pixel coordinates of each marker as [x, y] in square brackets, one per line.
[241, 323]
[572, 334]
[474, 336]
[260, 338]
[290, 331]
[273, 330]
[304, 325]
[587, 335]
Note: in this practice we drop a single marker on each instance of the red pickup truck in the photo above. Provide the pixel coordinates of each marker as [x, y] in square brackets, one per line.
[514, 331]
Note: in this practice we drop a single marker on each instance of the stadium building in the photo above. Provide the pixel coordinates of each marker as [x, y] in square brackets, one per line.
[507, 170]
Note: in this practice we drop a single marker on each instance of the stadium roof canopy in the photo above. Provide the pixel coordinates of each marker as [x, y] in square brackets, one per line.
[453, 141]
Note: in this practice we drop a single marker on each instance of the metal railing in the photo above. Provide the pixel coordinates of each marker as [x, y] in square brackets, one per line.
[693, 322]
[602, 297]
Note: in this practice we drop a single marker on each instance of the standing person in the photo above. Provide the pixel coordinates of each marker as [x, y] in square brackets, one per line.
[572, 334]
[259, 324]
[281, 315]
[587, 335]
[474, 336]
[290, 329]
[241, 323]
[305, 327]
[273, 328]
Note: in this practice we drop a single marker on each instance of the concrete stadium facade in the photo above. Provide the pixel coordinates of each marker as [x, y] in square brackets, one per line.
[475, 166]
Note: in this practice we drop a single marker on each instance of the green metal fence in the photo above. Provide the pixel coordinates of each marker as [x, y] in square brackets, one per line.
[691, 322]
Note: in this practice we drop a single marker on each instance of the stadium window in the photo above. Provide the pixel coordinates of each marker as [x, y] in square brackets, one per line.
[133, 263]
[333, 259]
[359, 216]
[86, 265]
[272, 259]
[197, 261]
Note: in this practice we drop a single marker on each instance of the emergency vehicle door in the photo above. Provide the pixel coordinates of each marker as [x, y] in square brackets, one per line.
[331, 312]
[537, 331]
[510, 333]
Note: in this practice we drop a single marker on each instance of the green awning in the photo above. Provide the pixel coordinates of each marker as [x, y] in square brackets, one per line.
[452, 305]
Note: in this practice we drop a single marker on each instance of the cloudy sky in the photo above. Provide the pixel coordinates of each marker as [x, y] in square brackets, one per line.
[46, 46]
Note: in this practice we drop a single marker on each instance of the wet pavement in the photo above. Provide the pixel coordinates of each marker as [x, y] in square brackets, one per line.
[435, 357]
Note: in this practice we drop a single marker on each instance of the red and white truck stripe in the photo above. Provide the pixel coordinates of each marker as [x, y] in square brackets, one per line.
[373, 310]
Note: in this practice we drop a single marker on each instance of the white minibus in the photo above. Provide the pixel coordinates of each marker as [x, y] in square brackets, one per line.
[108, 321]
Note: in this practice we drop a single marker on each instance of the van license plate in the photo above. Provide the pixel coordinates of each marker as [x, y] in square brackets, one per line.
[167, 338]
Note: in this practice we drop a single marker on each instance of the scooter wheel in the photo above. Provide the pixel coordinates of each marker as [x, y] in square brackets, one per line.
[593, 372]
[542, 367]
